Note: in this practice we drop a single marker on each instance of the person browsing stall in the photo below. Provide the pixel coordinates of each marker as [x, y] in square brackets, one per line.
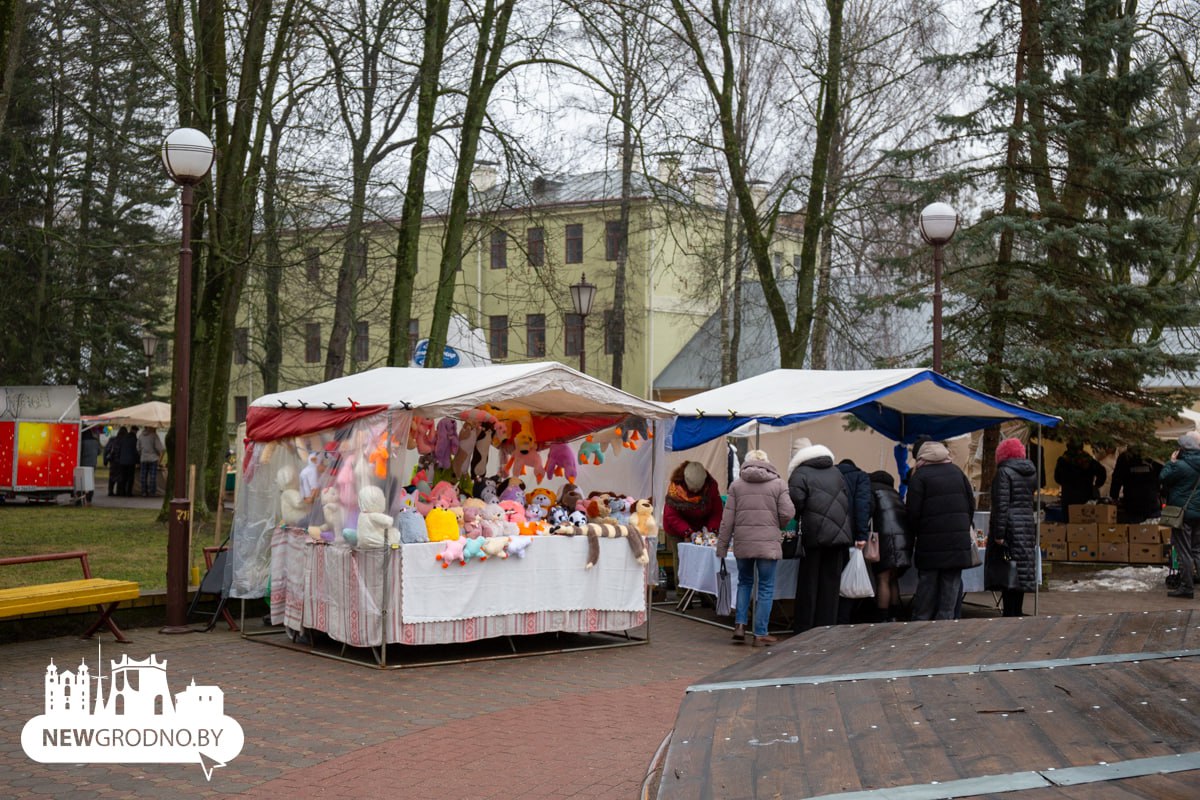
[757, 508]
[1180, 478]
[1012, 524]
[826, 533]
[895, 544]
[941, 506]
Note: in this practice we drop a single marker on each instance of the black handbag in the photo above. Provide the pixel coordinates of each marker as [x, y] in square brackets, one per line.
[1000, 571]
[791, 545]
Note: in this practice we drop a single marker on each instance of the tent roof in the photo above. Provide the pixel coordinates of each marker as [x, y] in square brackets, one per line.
[156, 413]
[899, 403]
[543, 387]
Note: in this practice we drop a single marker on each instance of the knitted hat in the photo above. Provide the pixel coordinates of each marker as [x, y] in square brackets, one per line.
[757, 455]
[1009, 448]
[694, 476]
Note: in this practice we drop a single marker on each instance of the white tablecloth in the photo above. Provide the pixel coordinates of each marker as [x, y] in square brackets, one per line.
[698, 567]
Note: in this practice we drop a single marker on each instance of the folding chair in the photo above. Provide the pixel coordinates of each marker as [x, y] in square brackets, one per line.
[213, 583]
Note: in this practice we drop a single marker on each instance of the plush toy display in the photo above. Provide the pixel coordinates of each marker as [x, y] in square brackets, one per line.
[445, 443]
[331, 507]
[472, 525]
[292, 508]
[460, 464]
[513, 490]
[598, 509]
[412, 527]
[452, 551]
[556, 516]
[513, 511]
[422, 436]
[473, 549]
[541, 496]
[560, 462]
[619, 508]
[487, 489]
[374, 527]
[441, 525]
[444, 495]
[492, 520]
[525, 454]
[590, 451]
[570, 497]
[631, 429]
[643, 518]
[496, 547]
[518, 546]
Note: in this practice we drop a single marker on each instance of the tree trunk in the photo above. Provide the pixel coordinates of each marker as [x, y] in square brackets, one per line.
[616, 332]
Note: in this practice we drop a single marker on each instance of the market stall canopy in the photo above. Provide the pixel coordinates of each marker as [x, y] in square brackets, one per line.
[902, 404]
[155, 413]
[544, 388]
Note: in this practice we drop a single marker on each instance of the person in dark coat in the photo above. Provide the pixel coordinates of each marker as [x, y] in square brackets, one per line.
[1135, 487]
[89, 454]
[895, 544]
[858, 486]
[1079, 475]
[757, 508]
[127, 461]
[940, 507]
[823, 508]
[1179, 478]
[1012, 525]
[111, 449]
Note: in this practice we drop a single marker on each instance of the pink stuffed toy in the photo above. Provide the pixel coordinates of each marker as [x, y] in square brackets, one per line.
[472, 525]
[422, 435]
[560, 462]
[452, 551]
[492, 520]
[445, 443]
[524, 455]
[513, 511]
[444, 495]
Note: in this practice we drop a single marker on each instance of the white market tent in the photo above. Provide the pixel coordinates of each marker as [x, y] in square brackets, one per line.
[155, 413]
[902, 404]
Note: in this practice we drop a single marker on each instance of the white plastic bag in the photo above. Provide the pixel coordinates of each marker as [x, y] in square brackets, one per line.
[856, 580]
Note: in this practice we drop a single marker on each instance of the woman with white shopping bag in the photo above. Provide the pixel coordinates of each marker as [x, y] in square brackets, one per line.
[756, 509]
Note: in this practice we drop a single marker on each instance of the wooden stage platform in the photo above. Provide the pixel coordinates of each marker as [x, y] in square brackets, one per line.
[1094, 707]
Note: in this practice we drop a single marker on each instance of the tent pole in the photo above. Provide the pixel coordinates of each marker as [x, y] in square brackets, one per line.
[653, 565]
[1037, 585]
[757, 434]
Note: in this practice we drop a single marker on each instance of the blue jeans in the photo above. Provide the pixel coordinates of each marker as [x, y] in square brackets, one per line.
[766, 591]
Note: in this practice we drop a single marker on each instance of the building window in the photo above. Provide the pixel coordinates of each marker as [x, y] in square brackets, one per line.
[312, 264]
[498, 336]
[535, 335]
[574, 244]
[612, 239]
[240, 403]
[362, 258]
[573, 334]
[777, 263]
[312, 342]
[796, 264]
[241, 345]
[610, 338]
[499, 250]
[536, 244]
[362, 340]
[414, 335]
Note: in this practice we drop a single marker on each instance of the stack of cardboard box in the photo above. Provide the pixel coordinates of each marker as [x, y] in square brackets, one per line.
[1092, 534]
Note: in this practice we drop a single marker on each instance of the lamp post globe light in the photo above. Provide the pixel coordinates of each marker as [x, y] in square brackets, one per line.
[582, 296]
[939, 221]
[187, 155]
[149, 346]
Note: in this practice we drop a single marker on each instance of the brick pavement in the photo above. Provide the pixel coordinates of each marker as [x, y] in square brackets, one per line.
[577, 725]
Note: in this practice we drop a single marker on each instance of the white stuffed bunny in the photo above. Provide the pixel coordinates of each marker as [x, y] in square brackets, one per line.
[375, 528]
[292, 508]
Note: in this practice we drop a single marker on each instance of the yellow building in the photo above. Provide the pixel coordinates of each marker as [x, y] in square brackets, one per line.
[524, 247]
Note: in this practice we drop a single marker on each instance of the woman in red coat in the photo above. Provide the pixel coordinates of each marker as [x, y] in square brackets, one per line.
[693, 503]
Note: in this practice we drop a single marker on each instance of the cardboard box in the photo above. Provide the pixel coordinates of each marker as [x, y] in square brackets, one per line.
[1082, 552]
[1053, 532]
[1146, 534]
[1079, 515]
[1164, 534]
[1083, 533]
[1103, 513]
[1054, 551]
[1117, 534]
[1147, 554]
[1113, 552]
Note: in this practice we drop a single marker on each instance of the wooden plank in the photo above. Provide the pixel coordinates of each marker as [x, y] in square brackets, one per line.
[66, 594]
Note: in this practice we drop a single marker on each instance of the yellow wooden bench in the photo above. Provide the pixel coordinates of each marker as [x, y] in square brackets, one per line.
[100, 592]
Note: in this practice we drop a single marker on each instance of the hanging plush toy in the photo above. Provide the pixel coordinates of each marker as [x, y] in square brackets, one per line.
[560, 462]
[422, 436]
[379, 456]
[445, 443]
[461, 462]
[590, 450]
[524, 455]
[631, 429]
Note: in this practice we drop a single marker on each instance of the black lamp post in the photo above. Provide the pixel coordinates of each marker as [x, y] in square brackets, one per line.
[149, 346]
[188, 156]
[938, 223]
[582, 295]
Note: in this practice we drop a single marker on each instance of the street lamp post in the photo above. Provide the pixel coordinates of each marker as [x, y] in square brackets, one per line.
[187, 155]
[939, 221]
[582, 295]
[149, 346]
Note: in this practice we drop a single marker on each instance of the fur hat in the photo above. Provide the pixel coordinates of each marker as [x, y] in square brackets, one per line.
[1190, 441]
[1009, 448]
[800, 444]
[694, 476]
[758, 455]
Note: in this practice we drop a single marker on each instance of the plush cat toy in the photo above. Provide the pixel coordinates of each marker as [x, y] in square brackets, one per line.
[412, 527]
[590, 450]
[525, 454]
[556, 516]
[446, 443]
[292, 508]
[619, 508]
[374, 528]
[560, 462]
[452, 551]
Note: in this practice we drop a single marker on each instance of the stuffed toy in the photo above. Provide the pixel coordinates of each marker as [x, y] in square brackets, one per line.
[541, 496]
[643, 518]
[609, 440]
[518, 546]
[577, 518]
[472, 525]
[444, 495]
[631, 429]
[535, 513]
[483, 447]
[460, 464]
[570, 497]
[495, 547]
[473, 548]
[441, 525]
[560, 462]
[379, 457]
[591, 451]
[488, 489]
[445, 443]
[513, 490]
[331, 506]
[477, 416]
[422, 436]
[525, 454]
[513, 511]
[374, 527]
[492, 520]
[452, 551]
[598, 509]
[556, 516]
[501, 439]
[619, 508]
[292, 508]
[412, 527]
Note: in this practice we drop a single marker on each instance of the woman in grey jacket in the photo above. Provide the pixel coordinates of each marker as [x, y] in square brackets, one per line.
[757, 508]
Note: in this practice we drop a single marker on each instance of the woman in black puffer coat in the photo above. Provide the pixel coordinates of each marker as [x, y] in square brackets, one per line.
[895, 545]
[941, 506]
[1012, 527]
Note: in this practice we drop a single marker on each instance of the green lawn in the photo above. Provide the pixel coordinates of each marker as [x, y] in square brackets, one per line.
[122, 543]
